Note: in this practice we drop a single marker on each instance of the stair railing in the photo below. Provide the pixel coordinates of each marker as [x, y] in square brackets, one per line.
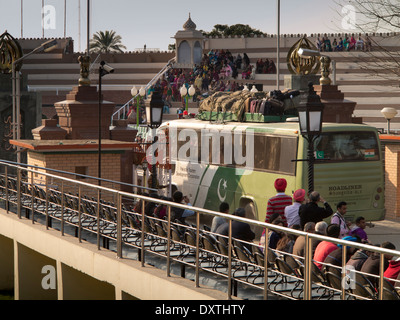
[124, 109]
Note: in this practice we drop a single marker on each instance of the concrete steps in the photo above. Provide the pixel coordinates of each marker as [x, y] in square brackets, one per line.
[54, 74]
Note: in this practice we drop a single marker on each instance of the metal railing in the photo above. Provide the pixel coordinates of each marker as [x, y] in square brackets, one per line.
[127, 224]
[124, 109]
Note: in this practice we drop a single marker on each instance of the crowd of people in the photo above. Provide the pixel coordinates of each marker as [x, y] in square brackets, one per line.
[297, 213]
[344, 44]
[265, 66]
[218, 71]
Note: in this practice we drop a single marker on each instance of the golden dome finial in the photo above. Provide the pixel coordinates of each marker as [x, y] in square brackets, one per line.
[10, 51]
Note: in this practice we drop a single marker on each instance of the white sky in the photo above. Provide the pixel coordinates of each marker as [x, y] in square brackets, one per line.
[154, 22]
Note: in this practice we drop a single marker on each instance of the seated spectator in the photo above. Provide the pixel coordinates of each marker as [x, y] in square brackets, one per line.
[161, 210]
[217, 221]
[320, 227]
[228, 70]
[247, 72]
[150, 206]
[327, 44]
[392, 271]
[352, 44]
[372, 264]
[246, 60]
[131, 116]
[259, 66]
[359, 230]
[340, 45]
[367, 43]
[240, 230]
[273, 236]
[325, 247]
[318, 44]
[358, 259]
[180, 214]
[286, 242]
[397, 283]
[299, 244]
[238, 61]
[198, 83]
[334, 258]
[346, 43]
[360, 44]
[271, 67]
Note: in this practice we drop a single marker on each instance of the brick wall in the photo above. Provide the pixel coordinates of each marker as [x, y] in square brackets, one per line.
[392, 179]
[110, 164]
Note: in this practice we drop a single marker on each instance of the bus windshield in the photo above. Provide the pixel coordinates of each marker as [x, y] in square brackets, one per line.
[347, 146]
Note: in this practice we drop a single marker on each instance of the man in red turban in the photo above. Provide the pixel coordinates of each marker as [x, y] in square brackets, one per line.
[276, 205]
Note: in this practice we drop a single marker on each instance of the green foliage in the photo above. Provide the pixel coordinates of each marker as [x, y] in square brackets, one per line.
[106, 42]
[235, 30]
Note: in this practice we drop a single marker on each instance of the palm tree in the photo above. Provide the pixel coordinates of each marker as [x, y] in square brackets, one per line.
[106, 42]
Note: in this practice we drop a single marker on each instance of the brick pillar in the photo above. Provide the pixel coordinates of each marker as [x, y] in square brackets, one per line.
[392, 179]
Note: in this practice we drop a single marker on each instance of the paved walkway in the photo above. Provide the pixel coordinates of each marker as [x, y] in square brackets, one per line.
[385, 230]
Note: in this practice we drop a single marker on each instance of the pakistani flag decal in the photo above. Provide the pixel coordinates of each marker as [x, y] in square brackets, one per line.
[223, 187]
[221, 191]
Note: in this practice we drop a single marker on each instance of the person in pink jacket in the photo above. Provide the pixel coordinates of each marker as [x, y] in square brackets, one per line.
[392, 271]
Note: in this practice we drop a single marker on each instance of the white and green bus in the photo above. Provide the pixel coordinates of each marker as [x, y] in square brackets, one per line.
[238, 163]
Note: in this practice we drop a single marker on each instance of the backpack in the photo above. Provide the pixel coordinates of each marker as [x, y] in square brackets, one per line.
[253, 106]
[262, 106]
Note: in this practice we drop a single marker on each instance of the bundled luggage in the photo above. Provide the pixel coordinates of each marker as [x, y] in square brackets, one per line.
[239, 103]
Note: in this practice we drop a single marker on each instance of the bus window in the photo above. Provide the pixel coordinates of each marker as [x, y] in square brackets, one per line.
[347, 146]
[275, 153]
[288, 153]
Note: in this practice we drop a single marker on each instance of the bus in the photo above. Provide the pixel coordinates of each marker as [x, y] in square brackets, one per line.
[238, 163]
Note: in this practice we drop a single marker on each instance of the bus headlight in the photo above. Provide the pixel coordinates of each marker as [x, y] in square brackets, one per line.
[375, 204]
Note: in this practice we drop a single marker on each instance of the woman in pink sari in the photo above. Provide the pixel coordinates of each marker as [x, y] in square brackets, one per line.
[228, 71]
[352, 44]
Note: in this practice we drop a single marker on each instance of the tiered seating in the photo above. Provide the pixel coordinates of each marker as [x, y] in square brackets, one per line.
[54, 74]
[285, 273]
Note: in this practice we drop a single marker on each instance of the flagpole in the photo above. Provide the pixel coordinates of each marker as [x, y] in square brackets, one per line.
[43, 19]
[79, 26]
[88, 26]
[22, 19]
[65, 19]
[278, 43]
